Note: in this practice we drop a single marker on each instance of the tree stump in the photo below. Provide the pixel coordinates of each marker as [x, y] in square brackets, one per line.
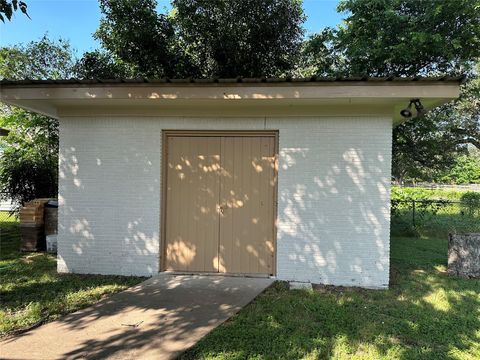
[464, 255]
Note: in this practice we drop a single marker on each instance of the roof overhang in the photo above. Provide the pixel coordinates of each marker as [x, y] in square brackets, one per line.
[70, 98]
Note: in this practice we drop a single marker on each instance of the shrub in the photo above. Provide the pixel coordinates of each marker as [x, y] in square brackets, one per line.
[419, 193]
[465, 171]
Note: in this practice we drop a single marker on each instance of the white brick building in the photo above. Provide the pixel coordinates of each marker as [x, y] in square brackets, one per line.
[287, 179]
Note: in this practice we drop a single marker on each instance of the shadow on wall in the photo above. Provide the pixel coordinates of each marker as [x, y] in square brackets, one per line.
[332, 222]
[333, 219]
[333, 225]
[106, 221]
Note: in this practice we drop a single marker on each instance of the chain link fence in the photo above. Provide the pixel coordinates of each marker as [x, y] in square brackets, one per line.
[433, 186]
[434, 216]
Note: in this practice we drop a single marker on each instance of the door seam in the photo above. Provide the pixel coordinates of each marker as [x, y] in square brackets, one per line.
[220, 186]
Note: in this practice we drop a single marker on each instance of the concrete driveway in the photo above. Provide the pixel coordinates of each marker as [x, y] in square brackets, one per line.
[157, 319]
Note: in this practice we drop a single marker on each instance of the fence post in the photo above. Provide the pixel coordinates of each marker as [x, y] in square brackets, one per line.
[413, 213]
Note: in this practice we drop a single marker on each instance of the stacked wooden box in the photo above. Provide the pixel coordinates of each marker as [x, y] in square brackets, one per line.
[50, 216]
[32, 225]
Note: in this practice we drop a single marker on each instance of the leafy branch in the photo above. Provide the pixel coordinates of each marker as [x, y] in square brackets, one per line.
[7, 8]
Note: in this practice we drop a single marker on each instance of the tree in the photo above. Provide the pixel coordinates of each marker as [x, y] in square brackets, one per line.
[249, 38]
[318, 56]
[134, 32]
[102, 65]
[466, 170]
[204, 38]
[40, 59]
[28, 166]
[409, 37]
[7, 8]
[423, 148]
[465, 120]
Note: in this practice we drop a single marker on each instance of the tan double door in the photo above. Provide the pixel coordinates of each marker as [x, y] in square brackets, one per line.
[220, 196]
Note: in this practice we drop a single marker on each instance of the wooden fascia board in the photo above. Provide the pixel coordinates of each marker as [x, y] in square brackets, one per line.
[244, 92]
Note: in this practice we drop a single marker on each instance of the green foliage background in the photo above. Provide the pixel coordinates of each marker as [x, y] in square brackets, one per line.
[29, 159]
[29, 163]
[263, 38]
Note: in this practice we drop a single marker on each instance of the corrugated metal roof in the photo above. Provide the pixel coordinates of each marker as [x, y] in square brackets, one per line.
[315, 79]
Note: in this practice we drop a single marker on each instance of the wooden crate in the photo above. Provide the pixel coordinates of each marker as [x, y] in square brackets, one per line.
[32, 225]
[39, 201]
[33, 237]
[32, 214]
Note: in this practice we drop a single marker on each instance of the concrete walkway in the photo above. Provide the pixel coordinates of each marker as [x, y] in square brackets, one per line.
[157, 319]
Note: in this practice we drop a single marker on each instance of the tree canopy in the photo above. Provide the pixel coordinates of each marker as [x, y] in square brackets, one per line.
[28, 165]
[204, 38]
[40, 59]
[249, 38]
[101, 64]
[134, 32]
[262, 38]
[408, 37]
[7, 8]
[427, 146]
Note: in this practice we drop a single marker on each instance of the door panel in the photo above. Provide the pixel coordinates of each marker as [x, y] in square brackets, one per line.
[220, 195]
[192, 219]
[247, 205]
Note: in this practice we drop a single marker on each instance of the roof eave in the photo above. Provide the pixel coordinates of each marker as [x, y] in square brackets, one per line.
[47, 97]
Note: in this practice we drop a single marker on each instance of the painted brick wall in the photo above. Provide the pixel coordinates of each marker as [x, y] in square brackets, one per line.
[333, 200]
[109, 181]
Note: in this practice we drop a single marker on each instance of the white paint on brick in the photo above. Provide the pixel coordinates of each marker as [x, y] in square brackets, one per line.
[333, 195]
[333, 205]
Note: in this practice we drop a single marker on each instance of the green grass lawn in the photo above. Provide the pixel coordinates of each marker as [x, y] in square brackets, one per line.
[32, 292]
[425, 315]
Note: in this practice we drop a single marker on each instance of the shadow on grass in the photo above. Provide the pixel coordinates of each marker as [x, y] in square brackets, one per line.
[174, 313]
[9, 239]
[425, 314]
[32, 292]
[34, 278]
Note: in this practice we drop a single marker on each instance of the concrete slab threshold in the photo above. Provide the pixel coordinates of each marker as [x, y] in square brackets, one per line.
[157, 319]
[295, 285]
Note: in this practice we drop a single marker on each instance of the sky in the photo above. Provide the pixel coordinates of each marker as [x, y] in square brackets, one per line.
[76, 20]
